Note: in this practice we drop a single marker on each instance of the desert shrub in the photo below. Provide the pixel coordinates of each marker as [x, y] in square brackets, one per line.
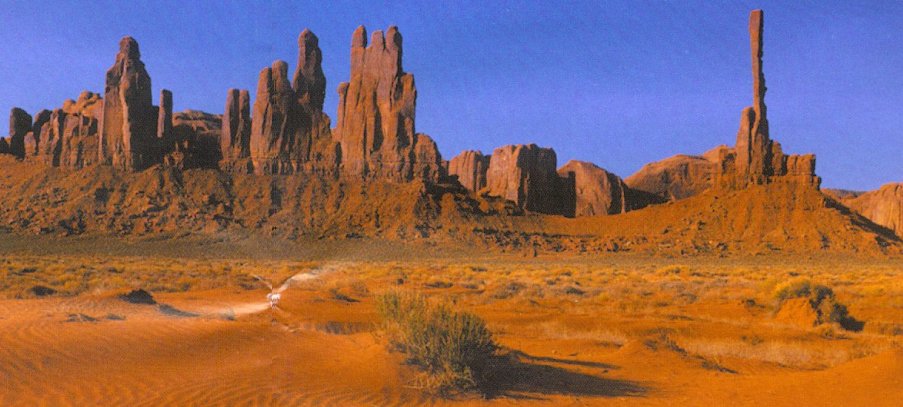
[821, 299]
[451, 347]
[508, 290]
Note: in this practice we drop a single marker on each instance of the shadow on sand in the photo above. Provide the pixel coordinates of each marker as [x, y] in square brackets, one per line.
[521, 376]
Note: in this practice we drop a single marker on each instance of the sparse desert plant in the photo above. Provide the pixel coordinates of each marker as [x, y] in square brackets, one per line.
[452, 347]
[822, 300]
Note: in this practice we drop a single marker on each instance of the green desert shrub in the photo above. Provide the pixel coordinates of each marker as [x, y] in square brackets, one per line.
[453, 348]
[821, 299]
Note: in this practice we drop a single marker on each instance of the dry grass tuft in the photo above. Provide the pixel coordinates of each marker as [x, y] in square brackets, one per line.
[452, 347]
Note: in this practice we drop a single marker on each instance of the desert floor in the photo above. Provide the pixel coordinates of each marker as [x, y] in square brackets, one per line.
[575, 331]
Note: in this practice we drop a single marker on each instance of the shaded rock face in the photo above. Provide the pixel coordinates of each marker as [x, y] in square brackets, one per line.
[66, 137]
[128, 139]
[195, 140]
[597, 191]
[52, 138]
[758, 159]
[164, 116]
[235, 141]
[376, 110]
[32, 139]
[842, 195]
[427, 160]
[19, 125]
[681, 176]
[273, 129]
[470, 167]
[289, 131]
[80, 132]
[526, 175]
[883, 206]
[309, 82]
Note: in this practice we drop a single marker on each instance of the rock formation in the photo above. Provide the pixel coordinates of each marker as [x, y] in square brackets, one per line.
[127, 135]
[51, 145]
[680, 176]
[235, 140]
[376, 110]
[470, 167]
[32, 139]
[80, 131]
[164, 116]
[526, 175]
[427, 160]
[883, 206]
[195, 140]
[753, 144]
[758, 159]
[317, 152]
[273, 127]
[19, 124]
[596, 191]
[842, 195]
[309, 82]
[289, 131]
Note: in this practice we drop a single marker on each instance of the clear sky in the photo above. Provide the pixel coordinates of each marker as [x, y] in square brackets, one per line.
[618, 83]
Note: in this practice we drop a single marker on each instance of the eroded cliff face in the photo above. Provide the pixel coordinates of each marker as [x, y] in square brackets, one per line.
[470, 169]
[596, 191]
[376, 111]
[526, 175]
[290, 134]
[883, 206]
[680, 176]
[235, 138]
[128, 133]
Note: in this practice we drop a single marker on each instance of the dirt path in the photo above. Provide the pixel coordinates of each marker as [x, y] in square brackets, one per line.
[248, 308]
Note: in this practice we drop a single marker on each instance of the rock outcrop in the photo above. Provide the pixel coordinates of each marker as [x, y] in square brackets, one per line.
[19, 125]
[470, 167]
[883, 206]
[526, 175]
[317, 151]
[427, 160]
[755, 158]
[80, 131]
[32, 139]
[309, 82]
[289, 131]
[51, 145]
[128, 134]
[376, 110]
[235, 140]
[273, 127]
[680, 176]
[195, 140]
[753, 162]
[596, 191]
[758, 159]
[164, 116]
[842, 195]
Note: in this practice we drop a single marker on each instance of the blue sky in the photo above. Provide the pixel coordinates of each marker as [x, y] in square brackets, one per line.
[616, 83]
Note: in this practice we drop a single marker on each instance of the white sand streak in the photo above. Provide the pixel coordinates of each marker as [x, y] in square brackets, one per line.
[256, 307]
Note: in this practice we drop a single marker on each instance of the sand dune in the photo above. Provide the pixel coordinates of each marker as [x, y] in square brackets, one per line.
[228, 347]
